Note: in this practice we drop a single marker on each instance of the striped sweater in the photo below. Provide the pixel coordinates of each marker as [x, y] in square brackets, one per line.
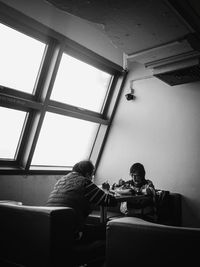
[79, 193]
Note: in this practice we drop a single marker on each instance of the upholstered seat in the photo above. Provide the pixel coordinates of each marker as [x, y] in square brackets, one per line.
[44, 237]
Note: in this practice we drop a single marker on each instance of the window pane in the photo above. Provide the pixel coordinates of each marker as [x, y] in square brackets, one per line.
[63, 141]
[11, 122]
[80, 84]
[20, 57]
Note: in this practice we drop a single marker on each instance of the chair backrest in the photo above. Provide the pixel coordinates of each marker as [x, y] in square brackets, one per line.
[168, 208]
[135, 242]
[34, 236]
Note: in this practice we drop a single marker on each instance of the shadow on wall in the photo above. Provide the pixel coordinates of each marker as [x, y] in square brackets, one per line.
[190, 212]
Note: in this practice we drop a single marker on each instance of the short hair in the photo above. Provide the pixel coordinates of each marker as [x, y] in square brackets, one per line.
[84, 167]
[138, 167]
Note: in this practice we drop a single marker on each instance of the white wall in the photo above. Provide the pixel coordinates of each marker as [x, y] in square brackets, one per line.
[160, 129]
[79, 30]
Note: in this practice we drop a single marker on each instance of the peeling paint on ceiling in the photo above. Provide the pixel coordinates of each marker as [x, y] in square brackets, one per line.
[134, 26]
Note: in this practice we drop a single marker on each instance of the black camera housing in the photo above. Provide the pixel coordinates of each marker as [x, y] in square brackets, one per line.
[129, 96]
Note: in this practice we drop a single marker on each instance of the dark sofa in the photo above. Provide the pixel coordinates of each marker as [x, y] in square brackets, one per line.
[35, 236]
[43, 236]
[136, 242]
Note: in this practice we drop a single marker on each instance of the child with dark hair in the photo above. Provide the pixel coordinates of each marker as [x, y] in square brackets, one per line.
[138, 183]
[141, 187]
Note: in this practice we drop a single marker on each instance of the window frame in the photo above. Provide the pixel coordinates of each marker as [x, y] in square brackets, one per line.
[38, 103]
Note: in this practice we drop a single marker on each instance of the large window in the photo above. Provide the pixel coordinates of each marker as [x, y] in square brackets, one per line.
[57, 98]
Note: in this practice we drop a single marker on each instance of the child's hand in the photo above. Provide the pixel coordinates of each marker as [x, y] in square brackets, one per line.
[121, 182]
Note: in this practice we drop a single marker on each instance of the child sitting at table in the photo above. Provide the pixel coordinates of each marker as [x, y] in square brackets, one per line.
[143, 205]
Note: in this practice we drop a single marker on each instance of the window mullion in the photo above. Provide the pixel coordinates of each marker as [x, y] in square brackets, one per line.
[48, 71]
[19, 103]
[76, 112]
[42, 94]
[5, 164]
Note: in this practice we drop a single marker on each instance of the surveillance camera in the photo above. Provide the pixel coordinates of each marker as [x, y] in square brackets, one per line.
[129, 96]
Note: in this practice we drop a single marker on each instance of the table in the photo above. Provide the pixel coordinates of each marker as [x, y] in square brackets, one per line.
[121, 198]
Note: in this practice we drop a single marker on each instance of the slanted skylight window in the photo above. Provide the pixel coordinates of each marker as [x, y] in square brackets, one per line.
[57, 98]
[80, 84]
[20, 57]
[11, 122]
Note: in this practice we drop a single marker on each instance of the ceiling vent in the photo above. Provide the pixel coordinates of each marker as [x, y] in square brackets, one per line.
[186, 75]
[178, 72]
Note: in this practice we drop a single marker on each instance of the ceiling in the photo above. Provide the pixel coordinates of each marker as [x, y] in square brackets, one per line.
[145, 31]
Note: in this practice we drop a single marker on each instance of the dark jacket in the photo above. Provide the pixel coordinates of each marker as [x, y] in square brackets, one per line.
[79, 193]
